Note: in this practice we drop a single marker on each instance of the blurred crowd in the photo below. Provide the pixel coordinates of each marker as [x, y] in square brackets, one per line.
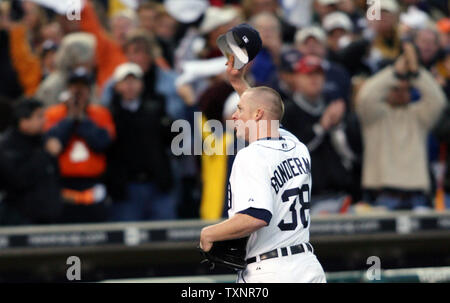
[88, 97]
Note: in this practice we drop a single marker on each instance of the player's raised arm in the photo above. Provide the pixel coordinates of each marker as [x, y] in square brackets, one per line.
[237, 76]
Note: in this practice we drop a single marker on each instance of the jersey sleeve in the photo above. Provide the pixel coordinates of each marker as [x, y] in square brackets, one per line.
[251, 186]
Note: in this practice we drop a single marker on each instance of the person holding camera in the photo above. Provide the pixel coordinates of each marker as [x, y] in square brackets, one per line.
[397, 108]
[81, 133]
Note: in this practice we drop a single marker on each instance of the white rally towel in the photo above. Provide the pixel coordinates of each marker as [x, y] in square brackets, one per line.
[186, 11]
[200, 69]
[62, 7]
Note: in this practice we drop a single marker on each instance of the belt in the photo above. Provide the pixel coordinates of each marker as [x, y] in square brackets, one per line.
[295, 249]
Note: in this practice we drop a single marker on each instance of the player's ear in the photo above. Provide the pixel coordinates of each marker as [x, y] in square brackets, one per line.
[259, 113]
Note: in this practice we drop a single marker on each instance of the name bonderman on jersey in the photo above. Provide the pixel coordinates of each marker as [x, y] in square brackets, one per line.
[287, 170]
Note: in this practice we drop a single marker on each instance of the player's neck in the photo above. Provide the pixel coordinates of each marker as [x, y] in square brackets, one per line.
[267, 129]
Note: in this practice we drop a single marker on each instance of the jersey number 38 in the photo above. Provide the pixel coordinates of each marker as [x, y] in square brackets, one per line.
[304, 205]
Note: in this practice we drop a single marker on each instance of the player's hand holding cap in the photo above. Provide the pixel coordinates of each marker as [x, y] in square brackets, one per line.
[243, 42]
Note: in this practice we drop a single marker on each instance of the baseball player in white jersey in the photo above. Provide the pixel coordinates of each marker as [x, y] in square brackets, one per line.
[269, 194]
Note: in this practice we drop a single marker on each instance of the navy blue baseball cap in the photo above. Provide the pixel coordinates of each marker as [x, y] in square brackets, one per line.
[80, 75]
[242, 41]
[288, 60]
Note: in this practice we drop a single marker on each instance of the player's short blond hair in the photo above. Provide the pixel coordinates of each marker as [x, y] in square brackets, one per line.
[272, 98]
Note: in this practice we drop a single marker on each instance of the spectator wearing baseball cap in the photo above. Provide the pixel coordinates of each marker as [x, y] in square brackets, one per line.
[82, 133]
[339, 29]
[139, 172]
[318, 121]
[313, 41]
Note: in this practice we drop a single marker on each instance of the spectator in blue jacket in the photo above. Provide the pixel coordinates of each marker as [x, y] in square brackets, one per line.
[312, 41]
[139, 167]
